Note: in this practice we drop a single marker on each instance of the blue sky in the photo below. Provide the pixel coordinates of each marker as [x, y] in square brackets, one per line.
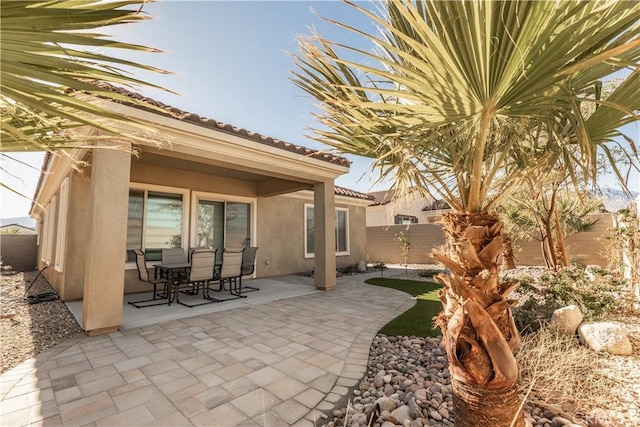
[230, 63]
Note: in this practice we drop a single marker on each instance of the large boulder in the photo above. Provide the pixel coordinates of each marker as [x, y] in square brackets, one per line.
[605, 336]
[567, 319]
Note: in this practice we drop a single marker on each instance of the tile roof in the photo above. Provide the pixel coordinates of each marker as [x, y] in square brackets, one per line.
[341, 191]
[436, 205]
[382, 197]
[198, 120]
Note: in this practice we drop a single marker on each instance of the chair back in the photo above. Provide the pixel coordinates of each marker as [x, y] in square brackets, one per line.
[249, 260]
[231, 263]
[143, 273]
[202, 265]
[172, 256]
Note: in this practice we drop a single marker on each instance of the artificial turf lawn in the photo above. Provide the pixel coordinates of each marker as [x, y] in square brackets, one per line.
[418, 320]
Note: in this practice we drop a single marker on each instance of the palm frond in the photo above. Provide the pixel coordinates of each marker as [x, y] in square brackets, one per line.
[470, 94]
[53, 70]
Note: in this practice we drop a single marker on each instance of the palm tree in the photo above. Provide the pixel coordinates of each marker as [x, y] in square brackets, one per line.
[465, 100]
[55, 66]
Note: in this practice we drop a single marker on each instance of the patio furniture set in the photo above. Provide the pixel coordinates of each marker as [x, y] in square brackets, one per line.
[199, 273]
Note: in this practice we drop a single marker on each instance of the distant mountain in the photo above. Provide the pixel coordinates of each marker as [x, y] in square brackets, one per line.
[24, 221]
[614, 199]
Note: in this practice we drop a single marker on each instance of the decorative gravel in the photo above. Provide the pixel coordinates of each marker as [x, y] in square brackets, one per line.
[27, 329]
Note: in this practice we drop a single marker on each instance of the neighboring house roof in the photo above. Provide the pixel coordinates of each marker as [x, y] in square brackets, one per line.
[21, 229]
[436, 205]
[382, 197]
[385, 197]
[341, 191]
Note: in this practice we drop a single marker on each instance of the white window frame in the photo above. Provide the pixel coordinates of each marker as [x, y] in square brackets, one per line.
[51, 222]
[184, 192]
[196, 196]
[61, 235]
[347, 232]
[45, 233]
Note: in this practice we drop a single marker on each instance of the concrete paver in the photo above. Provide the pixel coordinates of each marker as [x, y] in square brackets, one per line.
[276, 363]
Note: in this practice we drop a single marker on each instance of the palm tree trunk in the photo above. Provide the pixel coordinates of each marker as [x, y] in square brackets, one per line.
[478, 329]
[508, 258]
[479, 406]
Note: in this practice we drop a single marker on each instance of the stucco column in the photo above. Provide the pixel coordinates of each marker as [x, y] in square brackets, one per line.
[324, 223]
[106, 242]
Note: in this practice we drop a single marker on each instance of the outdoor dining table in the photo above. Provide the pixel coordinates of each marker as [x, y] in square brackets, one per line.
[172, 270]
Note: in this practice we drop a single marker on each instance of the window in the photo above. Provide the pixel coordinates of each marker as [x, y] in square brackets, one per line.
[341, 229]
[405, 219]
[62, 225]
[156, 220]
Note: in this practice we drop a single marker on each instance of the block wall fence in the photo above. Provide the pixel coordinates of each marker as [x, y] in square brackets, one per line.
[587, 247]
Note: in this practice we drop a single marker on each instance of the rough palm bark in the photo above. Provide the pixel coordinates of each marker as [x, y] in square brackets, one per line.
[479, 332]
[508, 258]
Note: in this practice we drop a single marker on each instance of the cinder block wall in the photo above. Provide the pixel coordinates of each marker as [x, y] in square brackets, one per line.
[586, 248]
[382, 246]
[19, 251]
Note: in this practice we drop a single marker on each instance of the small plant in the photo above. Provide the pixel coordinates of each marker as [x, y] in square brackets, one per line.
[623, 247]
[405, 246]
[348, 270]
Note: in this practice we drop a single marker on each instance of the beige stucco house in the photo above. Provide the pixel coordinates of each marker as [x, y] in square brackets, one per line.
[196, 183]
[388, 208]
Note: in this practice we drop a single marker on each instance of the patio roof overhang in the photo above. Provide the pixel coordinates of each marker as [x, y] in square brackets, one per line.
[198, 144]
[185, 145]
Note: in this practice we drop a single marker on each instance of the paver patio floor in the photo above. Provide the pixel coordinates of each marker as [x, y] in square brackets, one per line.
[276, 363]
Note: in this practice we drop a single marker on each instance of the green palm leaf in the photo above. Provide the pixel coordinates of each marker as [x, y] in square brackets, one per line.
[52, 72]
[458, 97]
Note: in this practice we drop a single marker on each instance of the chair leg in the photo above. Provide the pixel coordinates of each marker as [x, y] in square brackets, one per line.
[234, 289]
[205, 295]
[247, 288]
[156, 298]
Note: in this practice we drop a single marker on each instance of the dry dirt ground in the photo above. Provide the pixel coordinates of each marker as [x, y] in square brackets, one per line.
[27, 329]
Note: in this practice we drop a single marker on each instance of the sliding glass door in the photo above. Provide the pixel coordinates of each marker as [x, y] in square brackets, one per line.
[238, 225]
[221, 224]
[209, 225]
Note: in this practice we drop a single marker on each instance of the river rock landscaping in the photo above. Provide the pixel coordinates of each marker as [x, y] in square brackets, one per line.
[407, 384]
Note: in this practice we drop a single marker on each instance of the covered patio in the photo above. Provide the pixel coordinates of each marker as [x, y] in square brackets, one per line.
[197, 183]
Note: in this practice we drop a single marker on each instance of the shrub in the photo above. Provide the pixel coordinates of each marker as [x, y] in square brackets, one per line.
[429, 272]
[594, 291]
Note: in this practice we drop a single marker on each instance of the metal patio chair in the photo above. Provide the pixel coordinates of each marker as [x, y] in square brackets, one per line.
[230, 272]
[248, 267]
[201, 272]
[173, 256]
[143, 275]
